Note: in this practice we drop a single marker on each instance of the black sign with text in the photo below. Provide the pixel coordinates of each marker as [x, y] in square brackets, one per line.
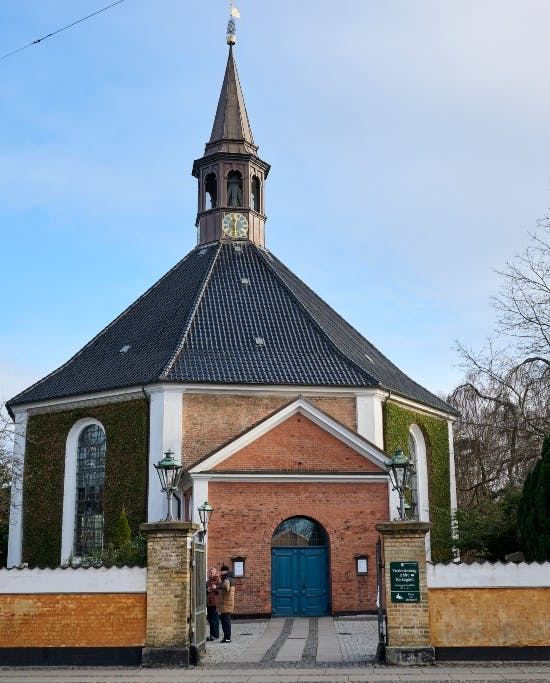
[404, 583]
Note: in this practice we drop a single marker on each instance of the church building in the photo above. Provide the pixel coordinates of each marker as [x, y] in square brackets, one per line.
[283, 416]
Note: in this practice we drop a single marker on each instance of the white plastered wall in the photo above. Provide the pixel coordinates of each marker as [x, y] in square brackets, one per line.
[15, 539]
[165, 433]
[200, 495]
[370, 416]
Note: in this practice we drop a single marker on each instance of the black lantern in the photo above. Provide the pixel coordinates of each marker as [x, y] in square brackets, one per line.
[169, 471]
[205, 514]
[400, 468]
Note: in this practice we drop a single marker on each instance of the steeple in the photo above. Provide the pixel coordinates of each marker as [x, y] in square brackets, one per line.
[231, 131]
[231, 175]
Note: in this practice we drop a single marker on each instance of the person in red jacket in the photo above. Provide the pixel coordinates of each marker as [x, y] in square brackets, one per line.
[212, 582]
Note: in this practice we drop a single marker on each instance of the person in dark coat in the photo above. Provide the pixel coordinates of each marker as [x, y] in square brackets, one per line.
[226, 601]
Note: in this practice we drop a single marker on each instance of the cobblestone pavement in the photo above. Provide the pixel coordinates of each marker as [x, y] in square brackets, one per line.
[296, 642]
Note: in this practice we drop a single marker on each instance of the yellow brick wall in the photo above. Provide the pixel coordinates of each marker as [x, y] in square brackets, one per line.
[477, 617]
[407, 624]
[73, 620]
[168, 583]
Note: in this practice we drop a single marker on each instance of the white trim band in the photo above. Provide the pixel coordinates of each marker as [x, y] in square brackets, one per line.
[74, 580]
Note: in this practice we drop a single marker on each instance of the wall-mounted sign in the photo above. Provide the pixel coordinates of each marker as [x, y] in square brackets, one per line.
[238, 566]
[404, 582]
[361, 564]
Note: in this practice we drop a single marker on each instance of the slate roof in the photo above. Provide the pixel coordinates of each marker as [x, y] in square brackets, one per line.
[202, 322]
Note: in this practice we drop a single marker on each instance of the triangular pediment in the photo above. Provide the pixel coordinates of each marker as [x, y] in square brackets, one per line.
[297, 438]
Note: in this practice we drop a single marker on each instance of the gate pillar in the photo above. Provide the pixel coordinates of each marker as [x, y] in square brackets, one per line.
[406, 593]
[169, 593]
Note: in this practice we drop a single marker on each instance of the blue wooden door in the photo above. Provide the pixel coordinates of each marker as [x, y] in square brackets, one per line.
[299, 581]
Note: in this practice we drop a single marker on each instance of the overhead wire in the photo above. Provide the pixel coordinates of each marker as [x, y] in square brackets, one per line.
[64, 28]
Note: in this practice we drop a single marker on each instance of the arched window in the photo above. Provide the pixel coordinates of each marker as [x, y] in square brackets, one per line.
[411, 501]
[234, 189]
[211, 191]
[90, 478]
[255, 194]
[298, 532]
[419, 484]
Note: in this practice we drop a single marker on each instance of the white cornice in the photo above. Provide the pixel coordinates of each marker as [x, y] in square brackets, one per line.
[287, 390]
[339, 431]
[419, 407]
[72, 401]
[290, 477]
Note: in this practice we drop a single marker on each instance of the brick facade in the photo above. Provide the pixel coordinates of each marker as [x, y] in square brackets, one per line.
[209, 421]
[298, 444]
[247, 515]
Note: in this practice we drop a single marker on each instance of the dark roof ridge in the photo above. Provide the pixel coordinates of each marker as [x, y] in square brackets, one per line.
[98, 335]
[196, 305]
[436, 402]
[268, 255]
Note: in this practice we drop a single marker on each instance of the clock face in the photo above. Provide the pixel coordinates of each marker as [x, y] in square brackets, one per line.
[235, 225]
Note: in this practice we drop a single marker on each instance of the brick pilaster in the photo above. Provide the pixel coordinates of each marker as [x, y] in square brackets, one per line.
[408, 624]
[168, 592]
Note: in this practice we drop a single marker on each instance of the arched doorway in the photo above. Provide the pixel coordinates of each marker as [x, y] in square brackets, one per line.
[299, 569]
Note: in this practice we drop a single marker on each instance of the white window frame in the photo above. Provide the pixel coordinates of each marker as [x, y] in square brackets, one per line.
[69, 485]
[421, 473]
[422, 482]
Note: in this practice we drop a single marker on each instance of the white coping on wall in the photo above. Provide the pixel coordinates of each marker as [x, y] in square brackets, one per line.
[74, 580]
[488, 575]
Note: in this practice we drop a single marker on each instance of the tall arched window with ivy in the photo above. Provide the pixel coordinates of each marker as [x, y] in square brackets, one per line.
[90, 479]
[412, 498]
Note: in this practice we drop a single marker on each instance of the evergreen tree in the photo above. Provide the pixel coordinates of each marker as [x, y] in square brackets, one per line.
[534, 509]
[122, 534]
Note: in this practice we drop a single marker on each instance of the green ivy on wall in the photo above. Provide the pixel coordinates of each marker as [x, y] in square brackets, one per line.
[126, 428]
[397, 422]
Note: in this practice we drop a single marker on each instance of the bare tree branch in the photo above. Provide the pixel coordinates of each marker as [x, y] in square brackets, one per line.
[504, 400]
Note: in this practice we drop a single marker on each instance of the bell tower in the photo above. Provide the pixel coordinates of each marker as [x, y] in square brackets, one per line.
[231, 176]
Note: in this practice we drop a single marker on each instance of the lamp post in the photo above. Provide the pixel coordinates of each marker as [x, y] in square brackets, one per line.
[400, 468]
[169, 471]
[205, 513]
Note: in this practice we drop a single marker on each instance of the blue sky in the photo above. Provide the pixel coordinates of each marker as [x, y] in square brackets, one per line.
[409, 145]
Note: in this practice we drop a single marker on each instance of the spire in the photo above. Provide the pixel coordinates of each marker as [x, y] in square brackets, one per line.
[231, 175]
[231, 131]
